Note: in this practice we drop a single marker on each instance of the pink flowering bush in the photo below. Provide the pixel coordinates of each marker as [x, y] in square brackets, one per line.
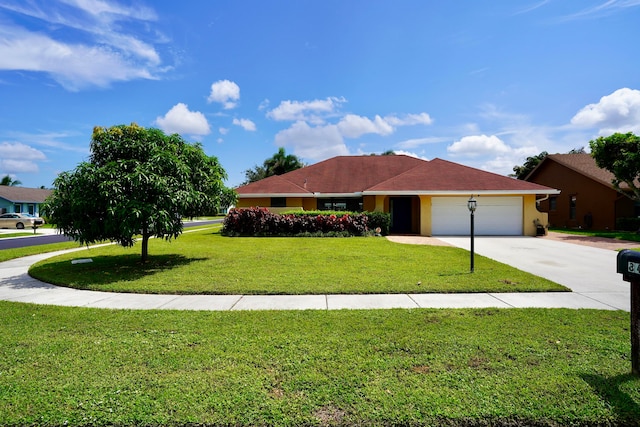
[261, 222]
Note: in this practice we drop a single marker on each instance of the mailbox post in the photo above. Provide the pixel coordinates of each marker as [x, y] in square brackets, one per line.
[629, 267]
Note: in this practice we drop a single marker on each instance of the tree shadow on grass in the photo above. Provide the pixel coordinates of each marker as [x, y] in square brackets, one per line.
[609, 390]
[104, 270]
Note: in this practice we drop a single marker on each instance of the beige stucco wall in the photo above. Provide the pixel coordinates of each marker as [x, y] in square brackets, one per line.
[253, 202]
[369, 203]
[306, 203]
[425, 215]
[531, 214]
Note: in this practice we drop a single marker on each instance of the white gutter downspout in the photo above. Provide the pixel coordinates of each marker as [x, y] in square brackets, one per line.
[542, 200]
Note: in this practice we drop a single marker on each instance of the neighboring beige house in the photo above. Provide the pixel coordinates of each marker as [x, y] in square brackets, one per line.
[22, 199]
[424, 197]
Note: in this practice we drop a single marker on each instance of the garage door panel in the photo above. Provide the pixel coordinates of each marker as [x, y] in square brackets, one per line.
[494, 216]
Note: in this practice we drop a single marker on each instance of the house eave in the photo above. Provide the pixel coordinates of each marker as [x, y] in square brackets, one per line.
[401, 193]
[307, 195]
[460, 192]
[265, 195]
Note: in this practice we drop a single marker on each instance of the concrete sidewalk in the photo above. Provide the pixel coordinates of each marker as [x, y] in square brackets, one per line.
[592, 279]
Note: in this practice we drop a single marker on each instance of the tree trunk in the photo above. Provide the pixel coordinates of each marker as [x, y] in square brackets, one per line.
[145, 245]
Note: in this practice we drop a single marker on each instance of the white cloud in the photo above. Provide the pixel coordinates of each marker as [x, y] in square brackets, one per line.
[604, 8]
[9, 166]
[618, 112]
[16, 157]
[409, 120]
[313, 143]
[478, 145]
[313, 111]
[109, 54]
[226, 93]
[223, 131]
[353, 126]
[180, 120]
[409, 153]
[246, 124]
[18, 150]
[102, 8]
[264, 105]
[504, 163]
[417, 142]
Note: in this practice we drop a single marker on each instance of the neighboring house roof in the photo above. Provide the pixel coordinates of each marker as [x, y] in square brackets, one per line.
[582, 163]
[399, 174]
[23, 194]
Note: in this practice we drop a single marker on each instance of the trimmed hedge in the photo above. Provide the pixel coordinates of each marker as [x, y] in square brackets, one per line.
[262, 222]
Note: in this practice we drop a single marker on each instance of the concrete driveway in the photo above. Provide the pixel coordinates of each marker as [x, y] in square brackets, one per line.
[588, 271]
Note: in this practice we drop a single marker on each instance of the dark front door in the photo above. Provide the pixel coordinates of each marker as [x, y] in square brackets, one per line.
[400, 208]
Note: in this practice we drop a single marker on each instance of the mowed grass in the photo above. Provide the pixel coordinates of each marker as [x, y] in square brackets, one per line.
[609, 234]
[8, 254]
[76, 366]
[204, 262]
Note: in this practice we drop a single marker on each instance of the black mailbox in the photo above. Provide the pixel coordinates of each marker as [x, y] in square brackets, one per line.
[629, 265]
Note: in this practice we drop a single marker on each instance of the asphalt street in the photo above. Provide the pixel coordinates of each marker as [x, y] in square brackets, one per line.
[48, 235]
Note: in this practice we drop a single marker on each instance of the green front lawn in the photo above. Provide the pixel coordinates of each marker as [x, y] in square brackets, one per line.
[617, 235]
[204, 262]
[16, 234]
[74, 366]
[7, 254]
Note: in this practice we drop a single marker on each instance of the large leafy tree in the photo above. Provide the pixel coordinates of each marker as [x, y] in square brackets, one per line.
[8, 181]
[137, 181]
[278, 164]
[521, 172]
[619, 154]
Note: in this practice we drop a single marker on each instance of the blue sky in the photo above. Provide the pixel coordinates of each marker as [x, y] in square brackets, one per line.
[485, 86]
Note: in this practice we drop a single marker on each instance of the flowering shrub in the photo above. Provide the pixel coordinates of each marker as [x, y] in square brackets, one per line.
[261, 222]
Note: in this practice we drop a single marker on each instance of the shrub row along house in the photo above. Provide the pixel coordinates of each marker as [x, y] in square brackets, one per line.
[588, 199]
[22, 199]
[423, 197]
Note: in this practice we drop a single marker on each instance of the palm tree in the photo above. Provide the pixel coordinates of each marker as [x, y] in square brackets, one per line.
[282, 163]
[277, 164]
[8, 181]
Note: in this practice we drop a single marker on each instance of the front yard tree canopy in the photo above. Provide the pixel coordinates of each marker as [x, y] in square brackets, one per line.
[619, 154]
[138, 181]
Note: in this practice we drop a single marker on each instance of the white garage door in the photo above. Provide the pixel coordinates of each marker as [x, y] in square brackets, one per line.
[495, 216]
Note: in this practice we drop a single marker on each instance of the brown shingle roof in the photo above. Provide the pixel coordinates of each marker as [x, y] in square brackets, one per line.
[344, 174]
[23, 194]
[442, 175]
[358, 174]
[584, 164]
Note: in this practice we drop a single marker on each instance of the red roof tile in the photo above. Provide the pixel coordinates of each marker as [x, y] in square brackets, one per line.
[344, 174]
[357, 174]
[442, 175]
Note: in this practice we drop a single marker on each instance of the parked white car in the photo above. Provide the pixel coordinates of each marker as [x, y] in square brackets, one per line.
[19, 221]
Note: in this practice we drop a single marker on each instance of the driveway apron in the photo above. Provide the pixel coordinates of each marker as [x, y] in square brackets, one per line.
[587, 271]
